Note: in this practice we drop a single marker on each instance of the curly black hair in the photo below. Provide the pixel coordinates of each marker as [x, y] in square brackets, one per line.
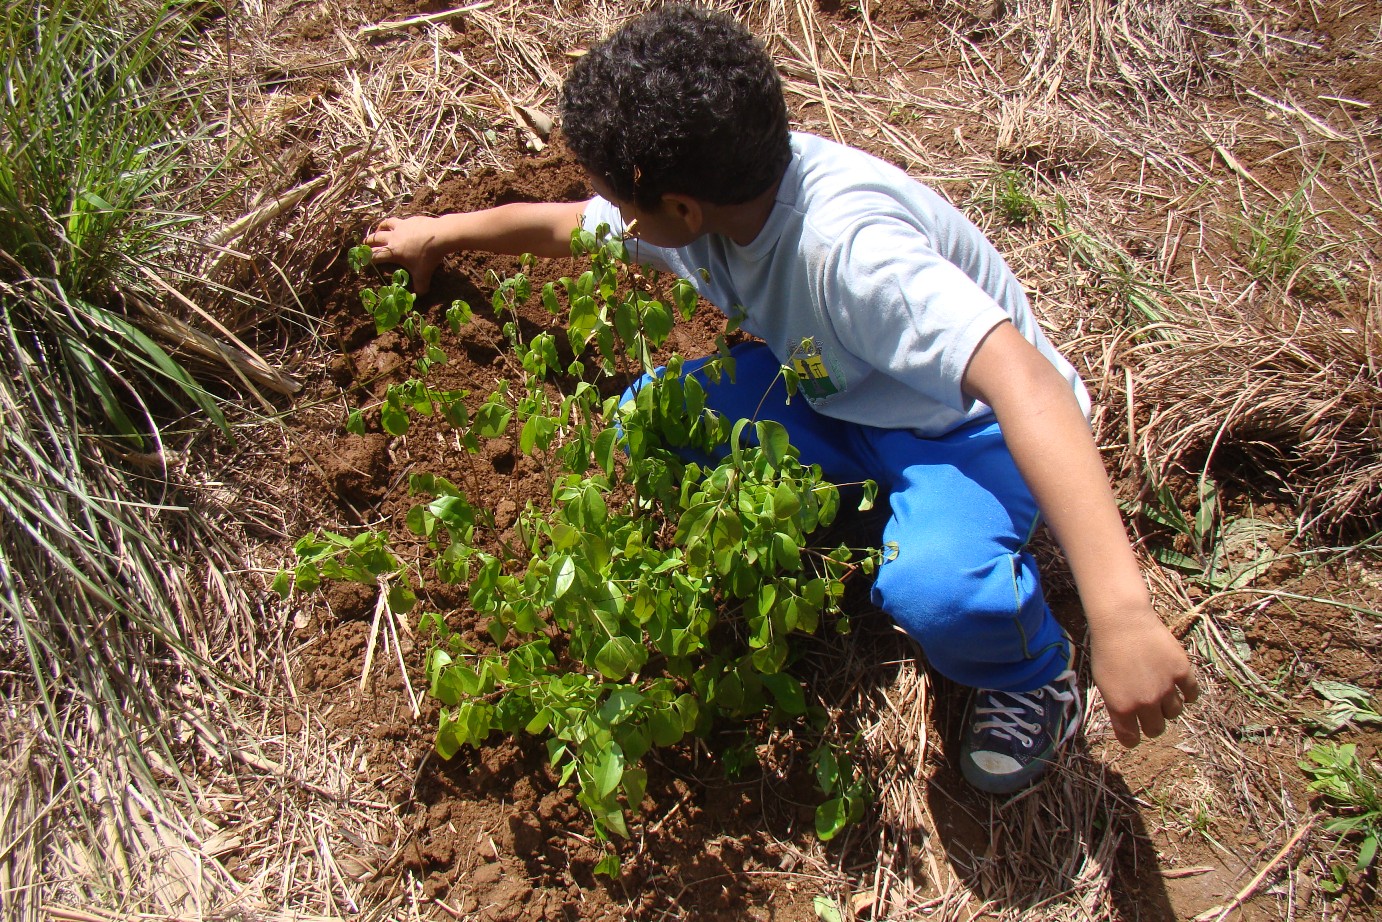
[681, 99]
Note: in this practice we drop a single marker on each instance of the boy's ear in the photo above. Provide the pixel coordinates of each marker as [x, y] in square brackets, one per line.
[686, 209]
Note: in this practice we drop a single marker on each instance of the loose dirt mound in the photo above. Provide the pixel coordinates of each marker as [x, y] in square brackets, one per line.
[491, 833]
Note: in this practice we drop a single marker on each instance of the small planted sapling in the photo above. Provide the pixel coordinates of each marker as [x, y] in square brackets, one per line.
[392, 306]
[653, 595]
[1350, 788]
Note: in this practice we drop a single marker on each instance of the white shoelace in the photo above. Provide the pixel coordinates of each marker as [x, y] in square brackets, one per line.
[1006, 720]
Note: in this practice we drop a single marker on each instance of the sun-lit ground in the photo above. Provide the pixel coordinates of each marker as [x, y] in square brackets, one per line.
[1189, 191]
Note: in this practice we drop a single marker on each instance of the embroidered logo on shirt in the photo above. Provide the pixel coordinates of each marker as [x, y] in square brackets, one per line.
[809, 364]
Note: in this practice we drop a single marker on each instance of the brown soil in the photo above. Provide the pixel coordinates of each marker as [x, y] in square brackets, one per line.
[491, 833]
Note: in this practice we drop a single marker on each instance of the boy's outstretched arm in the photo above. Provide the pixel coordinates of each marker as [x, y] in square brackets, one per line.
[1138, 664]
[419, 244]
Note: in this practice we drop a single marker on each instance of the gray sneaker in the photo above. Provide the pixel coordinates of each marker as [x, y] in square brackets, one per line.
[1011, 738]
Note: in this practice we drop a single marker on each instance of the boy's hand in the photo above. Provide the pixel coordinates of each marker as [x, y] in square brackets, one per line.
[418, 244]
[1144, 675]
[413, 243]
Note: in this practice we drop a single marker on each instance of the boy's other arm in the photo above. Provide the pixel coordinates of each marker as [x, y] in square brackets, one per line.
[419, 244]
[1138, 664]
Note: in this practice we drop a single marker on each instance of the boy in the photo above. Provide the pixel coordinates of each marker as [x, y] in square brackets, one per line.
[920, 361]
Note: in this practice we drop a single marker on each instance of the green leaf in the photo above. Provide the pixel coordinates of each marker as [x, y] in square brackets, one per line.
[359, 257]
[791, 380]
[1367, 852]
[635, 784]
[540, 722]
[605, 444]
[689, 707]
[307, 576]
[164, 364]
[619, 657]
[684, 296]
[827, 909]
[666, 727]
[1172, 558]
[657, 322]
[453, 683]
[736, 441]
[453, 511]
[774, 441]
[458, 315]
[446, 742]
[620, 705]
[355, 422]
[608, 773]
[786, 502]
[786, 553]
[788, 693]
[527, 437]
[771, 658]
[401, 598]
[1209, 509]
[282, 584]
[492, 419]
[549, 299]
[827, 771]
[563, 576]
[95, 377]
[608, 865]
[831, 817]
[420, 521]
[393, 418]
[613, 821]
[1342, 692]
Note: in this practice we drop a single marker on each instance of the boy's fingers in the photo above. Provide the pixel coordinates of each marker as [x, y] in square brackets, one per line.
[373, 236]
[1172, 705]
[1125, 728]
[1153, 723]
[1189, 688]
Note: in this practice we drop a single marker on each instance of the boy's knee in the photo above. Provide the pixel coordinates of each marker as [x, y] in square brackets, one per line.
[927, 599]
[969, 616]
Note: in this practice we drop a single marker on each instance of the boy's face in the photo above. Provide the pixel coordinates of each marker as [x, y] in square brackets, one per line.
[672, 224]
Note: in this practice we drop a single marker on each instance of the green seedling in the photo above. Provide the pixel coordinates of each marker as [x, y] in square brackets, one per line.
[1141, 301]
[1008, 193]
[1279, 245]
[392, 307]
[1225, 552]
[652, 597]
[364, 559]
[845, 790]
[1348, 787]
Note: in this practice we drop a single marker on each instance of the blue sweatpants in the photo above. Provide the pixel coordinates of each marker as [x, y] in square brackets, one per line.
[962, 583]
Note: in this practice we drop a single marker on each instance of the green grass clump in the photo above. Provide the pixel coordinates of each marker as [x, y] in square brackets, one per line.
[90, 182]
[1286, 245]
[94, 569]
[1008, 193]
[1351, 789]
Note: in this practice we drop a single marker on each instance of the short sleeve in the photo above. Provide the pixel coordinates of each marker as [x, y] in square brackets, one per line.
[600, 211]
[905, 310]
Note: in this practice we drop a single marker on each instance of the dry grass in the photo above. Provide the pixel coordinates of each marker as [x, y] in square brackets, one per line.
[1139, 173]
